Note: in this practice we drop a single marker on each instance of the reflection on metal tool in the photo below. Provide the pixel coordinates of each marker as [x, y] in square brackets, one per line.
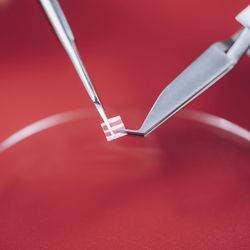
[65, 35]
[212, 65]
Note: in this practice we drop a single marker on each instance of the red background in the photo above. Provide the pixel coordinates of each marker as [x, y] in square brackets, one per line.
[127, 45]
[132, 50]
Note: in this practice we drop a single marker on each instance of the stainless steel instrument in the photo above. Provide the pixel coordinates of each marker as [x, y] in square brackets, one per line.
[66, 37]
[212, 65]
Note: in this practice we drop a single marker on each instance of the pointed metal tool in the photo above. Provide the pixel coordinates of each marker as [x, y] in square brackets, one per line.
[58, 21]
[212, 65]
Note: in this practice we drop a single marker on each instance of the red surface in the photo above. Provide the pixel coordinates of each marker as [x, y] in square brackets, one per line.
[183, 187]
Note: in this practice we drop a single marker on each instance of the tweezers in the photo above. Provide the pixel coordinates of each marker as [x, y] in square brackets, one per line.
[59, 22]
[212, 65]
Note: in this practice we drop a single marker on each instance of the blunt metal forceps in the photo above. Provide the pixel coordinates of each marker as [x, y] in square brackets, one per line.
[212, 65]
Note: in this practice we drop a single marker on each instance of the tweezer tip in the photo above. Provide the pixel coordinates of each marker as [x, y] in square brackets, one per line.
[132, 132]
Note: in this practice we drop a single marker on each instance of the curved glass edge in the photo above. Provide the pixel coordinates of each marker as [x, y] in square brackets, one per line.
[66, 117]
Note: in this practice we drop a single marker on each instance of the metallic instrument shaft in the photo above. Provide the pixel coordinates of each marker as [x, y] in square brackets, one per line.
[66, 37]
[212, 65]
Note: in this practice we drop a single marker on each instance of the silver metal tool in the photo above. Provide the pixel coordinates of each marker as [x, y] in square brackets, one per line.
[212, 65]
[65, 35]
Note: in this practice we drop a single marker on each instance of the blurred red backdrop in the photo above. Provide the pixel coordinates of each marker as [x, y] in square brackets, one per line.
[136, 47]
[132, 50]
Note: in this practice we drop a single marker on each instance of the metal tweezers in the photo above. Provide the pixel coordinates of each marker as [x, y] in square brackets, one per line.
[59, 23]
[212, 65]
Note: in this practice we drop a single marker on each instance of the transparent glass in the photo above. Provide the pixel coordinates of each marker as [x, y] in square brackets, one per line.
[186, 183]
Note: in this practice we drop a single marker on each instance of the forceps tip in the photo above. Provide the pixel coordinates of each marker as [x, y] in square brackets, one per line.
[132, 132]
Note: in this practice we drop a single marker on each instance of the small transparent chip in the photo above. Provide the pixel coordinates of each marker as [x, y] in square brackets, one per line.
[116, 124]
